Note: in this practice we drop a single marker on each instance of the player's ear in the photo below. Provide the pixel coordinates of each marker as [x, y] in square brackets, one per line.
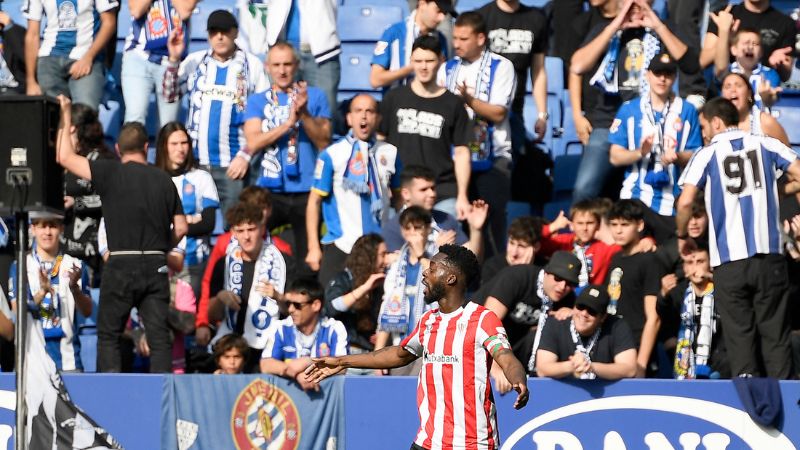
[452, 279]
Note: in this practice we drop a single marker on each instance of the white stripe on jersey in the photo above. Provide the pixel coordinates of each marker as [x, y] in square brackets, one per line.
[64, 19]
[738, 174]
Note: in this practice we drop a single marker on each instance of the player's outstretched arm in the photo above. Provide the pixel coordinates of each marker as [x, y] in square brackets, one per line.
[385, 358]
[515, 373]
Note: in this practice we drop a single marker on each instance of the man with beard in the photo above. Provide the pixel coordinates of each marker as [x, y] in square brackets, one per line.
[473, 339]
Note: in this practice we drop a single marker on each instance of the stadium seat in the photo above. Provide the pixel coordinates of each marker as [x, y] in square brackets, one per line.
[88, 352]
[554, 68]
[355, 61]
[789, 118]
[365, 23]
[469, 5]
[124, 20]
[565, 171]
[536, 3]
[402, 4]
[516, 209]
[204, 8]
[551, 209]
[14, 10]
[110, 113]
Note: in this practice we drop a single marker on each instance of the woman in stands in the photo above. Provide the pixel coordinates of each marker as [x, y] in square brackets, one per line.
[198, 194]
[354, 295]
[737, 89]
[82, 211]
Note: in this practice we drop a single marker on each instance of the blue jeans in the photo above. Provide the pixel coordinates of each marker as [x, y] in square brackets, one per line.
[52, 73]
[324, 76]
[227, 189]
[139, 78]
[594, 168]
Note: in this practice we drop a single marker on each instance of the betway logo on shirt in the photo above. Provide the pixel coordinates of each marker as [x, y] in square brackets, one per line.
[430, 358]
[423, 123]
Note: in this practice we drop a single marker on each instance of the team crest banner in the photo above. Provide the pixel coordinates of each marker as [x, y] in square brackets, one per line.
[251, 412]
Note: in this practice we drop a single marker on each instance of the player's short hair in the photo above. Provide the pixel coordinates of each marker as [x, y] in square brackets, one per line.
[428, 42]
[257, 196]
[586, 206]
[627, 210]
[413, 172]
[307, 286]
[416, 215]
[242, 212]
[132, 138]
[526, 229]
[463, 260]
[227, 342]
[722, 108]
[473, 20]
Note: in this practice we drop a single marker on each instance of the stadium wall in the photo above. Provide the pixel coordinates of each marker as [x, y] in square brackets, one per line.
[141, 411]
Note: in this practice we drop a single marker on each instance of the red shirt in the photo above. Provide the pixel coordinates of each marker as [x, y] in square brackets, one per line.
[219, 252]
[598, 253]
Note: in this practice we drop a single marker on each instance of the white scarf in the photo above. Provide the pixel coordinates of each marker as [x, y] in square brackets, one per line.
[665, 137]
[199, 86]
[694, 349]
[395, 313]
[585, 350]
[270, 267]
[547, 304]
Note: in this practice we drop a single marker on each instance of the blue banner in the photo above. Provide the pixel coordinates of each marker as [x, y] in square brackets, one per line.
[251, 412]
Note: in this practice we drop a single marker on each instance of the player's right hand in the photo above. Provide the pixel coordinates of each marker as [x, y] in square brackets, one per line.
[522, 396]
[322, 368]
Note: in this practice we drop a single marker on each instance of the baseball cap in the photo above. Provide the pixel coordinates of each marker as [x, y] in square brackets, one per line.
[593, 296]
[447, 7]
[663, 62]
[44, 215]
[564, 265]
[221, 20]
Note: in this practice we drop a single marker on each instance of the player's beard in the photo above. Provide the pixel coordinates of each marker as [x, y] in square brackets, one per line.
[435, 292]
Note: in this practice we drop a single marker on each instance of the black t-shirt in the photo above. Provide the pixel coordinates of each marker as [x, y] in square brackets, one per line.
[641, 276]
[139, 203]
[424, 130]
[630, 60]
[218, 284]
[517, 36]
[492, 267]
[615, 338]
[581, 26]
[515, 287]
[777, 29]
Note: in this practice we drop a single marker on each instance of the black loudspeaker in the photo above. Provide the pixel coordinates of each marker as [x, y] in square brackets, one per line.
[30, 178]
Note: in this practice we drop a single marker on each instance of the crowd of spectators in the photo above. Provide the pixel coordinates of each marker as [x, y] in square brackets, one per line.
[328, 234]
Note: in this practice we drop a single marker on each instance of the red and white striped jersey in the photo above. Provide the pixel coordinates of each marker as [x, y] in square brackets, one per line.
[454, 396]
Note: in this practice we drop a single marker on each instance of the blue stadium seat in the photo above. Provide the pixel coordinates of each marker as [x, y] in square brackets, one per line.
[110, 113]
[789, 118]
[204, 8]
[554, 67]
[124, 20]
[469, 5]
[551, 209]
[88, 352]
[402, 4]
[14, 10]
[516, 209]
[365, 23]
[536, 3]
[565, 171]
[355, 61]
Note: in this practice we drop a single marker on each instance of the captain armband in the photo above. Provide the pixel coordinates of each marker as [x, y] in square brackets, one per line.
[496, 343]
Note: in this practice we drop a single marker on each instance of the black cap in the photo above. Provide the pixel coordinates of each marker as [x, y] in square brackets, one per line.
[564, 265]
[447, 7]
[663, 62]
[221, 20]
[595, 297]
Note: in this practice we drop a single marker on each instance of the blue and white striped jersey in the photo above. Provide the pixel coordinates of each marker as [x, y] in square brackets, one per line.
[198, 192]
[70, 24]
[285, 342]
[218, 92]
[679, 125]
[738, 173]
[349, 214]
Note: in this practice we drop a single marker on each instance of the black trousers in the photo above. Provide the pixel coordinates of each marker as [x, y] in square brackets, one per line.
[290, 209]
[332, 263]
[494, 187]
[129, 281]
[752, 300]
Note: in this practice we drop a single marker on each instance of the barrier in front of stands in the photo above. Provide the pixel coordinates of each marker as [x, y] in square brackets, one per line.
[380, 413]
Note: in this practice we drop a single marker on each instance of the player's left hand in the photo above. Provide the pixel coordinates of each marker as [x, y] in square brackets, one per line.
[322, 368]
[522, 396]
